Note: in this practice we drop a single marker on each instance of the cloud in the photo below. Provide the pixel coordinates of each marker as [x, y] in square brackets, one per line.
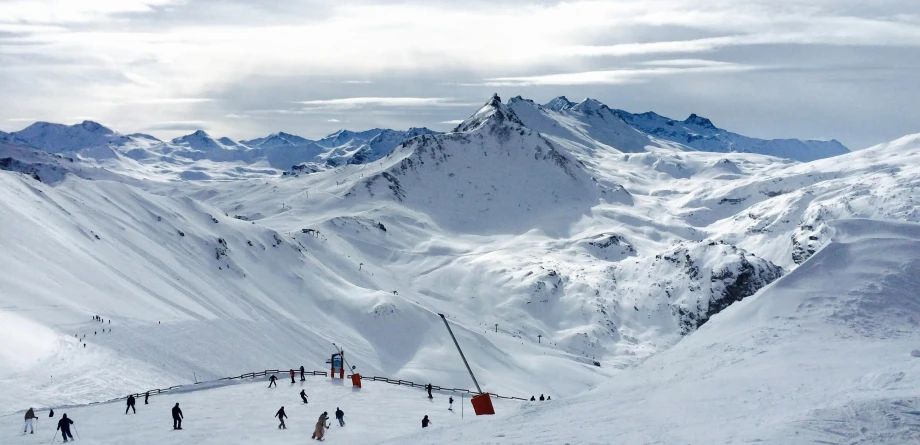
[21, 119]
[333, 120]
[173, 100]
[236, 116]
[176, 125]
[358, 81]
[452, 122]
[359, 102]
[618, 76]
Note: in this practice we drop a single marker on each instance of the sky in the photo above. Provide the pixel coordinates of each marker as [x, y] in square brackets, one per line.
[815, 69]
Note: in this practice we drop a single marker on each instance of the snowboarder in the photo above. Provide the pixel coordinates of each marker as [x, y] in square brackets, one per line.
[271, 381]
[130, 404]
[340, 416]
[321, 426]
[541, 398]
[292, 376]
[30, 418]
[532, 399]
[425, 422]
[281, 415]
[177, 417]
[301, 374]
[64, 426]
[428, 387]
[146, 396]
[450, 404]
[303, 396]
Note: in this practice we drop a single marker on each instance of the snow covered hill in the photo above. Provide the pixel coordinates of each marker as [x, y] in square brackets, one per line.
[58, 138]
[568, 248]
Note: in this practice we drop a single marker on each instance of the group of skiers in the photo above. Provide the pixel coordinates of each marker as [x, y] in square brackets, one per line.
[100, 319]
[541, 398]
[63, 425]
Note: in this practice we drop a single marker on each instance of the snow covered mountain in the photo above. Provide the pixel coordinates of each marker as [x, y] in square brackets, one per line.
[657, 274]
[58, 138]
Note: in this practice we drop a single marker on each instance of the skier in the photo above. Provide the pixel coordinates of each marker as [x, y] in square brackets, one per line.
[425, 422]
[301, 374]
[340, 416]
[292, 376]
[281, 415]
[146, 396]
[271, 381]
[532, 398]
[321, 426]
[177, 417]
[548, 398]
[130, 404]
[30, 418]
[51, 413]
[429, 391]
[303, 396]
[64, 426]
[541, 398]
[450, 404]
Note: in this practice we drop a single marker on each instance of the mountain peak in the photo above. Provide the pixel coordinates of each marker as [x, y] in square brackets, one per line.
[694, 119]
[589, 105]
[493, 113]
[95, 127]
[559, 104]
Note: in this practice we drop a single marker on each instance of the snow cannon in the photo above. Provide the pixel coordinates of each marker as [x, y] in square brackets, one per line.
[482, 402]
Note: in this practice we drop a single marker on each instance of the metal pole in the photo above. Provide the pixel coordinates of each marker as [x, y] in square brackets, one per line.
[461, 353]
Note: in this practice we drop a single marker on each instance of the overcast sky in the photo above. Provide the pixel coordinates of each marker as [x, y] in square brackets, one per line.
[843, 69]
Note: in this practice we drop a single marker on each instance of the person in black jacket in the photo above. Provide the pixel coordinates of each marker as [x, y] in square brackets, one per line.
[64, 426]
[177, 417]
[281, 415]
[146, 396]
[340, 416]
[301, 374]
[425, 422]
[303, 396]
[542, 398]
[271, 381]
[428, 387]
[130, 404]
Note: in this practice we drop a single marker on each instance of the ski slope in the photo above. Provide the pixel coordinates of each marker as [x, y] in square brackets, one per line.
[242, 413]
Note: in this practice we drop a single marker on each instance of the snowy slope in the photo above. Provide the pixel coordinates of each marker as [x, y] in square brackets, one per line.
[57, 138]
[827, 354]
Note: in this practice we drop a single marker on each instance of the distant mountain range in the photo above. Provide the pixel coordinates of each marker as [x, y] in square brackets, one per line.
[587, 125]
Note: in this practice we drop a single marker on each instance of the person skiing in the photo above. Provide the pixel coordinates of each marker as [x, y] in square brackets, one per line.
[30, 419]
[428, 387]
[146, 396]
[271, 381]
[281, 415]
[301, 373]
[532, 398]
[292, 376]
[177, 417]
[541, 398]
[548, 398]
[51, 413]
[303, 396]
[450, 404]
[425, 422]
[130, 404]
[340, 416]
[64, 426]
[321, 426]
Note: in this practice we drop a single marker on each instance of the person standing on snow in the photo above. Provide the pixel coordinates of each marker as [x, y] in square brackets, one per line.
[428, 387]
[321, 426]
[281, 415]
[425, 422]
[130, 404]
[30, 419]
[532, 398]
[271, 381]
[177, 417]
[301, 374]
[340, 416]
[542, 398]
[450, 404]
[64, 426]
[292, 376]
[303, 396]
[146, 396]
